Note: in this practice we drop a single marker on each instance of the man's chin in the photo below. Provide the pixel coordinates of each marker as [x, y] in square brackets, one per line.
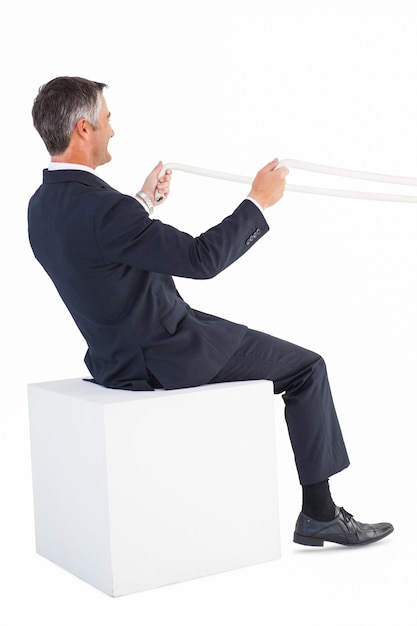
[105, 160]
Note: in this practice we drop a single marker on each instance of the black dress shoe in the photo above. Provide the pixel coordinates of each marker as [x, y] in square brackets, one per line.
[343, 529]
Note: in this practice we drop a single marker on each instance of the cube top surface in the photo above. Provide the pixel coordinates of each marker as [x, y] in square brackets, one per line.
[91, 392]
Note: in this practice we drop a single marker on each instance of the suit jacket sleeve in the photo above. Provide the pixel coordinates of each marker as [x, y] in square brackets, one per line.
[126, 234]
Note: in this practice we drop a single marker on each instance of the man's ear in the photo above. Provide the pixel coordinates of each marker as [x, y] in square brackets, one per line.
[82, 128]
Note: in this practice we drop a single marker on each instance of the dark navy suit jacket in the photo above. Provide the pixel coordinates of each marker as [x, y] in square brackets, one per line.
[113, 265]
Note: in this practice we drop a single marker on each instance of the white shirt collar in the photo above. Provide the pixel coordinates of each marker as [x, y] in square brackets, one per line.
[55, 165]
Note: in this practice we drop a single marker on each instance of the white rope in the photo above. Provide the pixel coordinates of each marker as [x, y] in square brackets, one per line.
[319, 169]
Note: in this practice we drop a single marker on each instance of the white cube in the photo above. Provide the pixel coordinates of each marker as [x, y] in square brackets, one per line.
[134, 490]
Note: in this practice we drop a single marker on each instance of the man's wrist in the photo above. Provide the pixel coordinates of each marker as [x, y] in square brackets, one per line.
[256, 203]
[146, 199]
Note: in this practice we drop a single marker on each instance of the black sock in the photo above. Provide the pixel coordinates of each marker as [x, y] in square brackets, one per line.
[317, 501]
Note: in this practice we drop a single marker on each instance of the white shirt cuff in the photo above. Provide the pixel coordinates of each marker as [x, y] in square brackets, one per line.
[255, 203]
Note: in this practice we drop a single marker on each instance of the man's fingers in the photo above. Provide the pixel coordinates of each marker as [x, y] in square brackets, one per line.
[283, 170]
[269, 167]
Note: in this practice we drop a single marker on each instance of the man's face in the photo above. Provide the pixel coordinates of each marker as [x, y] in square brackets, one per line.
[101, 136]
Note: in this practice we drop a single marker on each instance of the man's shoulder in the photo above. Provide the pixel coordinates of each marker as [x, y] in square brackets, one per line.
[62, 176]
[80, 188]
[82, 191]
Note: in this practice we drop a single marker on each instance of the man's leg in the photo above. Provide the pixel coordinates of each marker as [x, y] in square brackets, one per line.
[313, 425]
[314, 431]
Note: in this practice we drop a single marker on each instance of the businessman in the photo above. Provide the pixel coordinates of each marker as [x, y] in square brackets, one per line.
[113, 266]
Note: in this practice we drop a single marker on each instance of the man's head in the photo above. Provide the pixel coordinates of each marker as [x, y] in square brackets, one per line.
[70, 114]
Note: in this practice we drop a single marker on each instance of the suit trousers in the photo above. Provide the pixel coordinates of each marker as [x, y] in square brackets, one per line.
[301, 376]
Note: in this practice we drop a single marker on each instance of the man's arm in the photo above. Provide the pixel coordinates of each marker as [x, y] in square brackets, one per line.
[127, 235]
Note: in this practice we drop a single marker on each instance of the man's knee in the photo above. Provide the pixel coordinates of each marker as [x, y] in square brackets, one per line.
[314, 370]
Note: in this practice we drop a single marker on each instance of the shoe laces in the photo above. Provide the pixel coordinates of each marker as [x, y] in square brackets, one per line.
[346, 516]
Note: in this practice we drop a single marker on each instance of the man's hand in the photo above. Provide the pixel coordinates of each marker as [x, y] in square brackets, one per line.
[269, 184]
[155, 183]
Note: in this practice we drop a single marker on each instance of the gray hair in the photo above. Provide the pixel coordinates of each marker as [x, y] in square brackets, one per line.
[59, 105]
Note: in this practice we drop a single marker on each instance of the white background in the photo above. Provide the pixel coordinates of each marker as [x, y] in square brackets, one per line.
[230, 85]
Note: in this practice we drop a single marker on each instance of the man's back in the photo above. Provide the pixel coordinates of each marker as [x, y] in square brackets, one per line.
[113, 266]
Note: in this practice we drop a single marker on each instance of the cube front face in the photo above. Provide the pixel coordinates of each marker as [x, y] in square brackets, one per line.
[186, 481]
